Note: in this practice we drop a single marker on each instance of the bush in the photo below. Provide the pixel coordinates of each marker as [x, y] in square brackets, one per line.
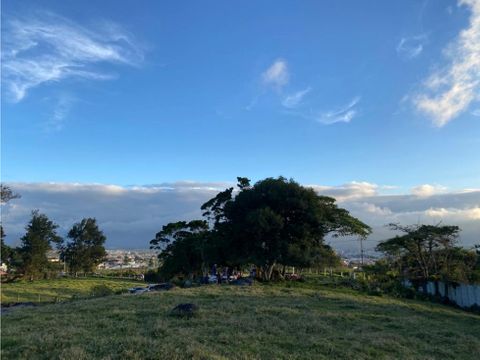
[177, 280]
[102, 290]
[152, 276]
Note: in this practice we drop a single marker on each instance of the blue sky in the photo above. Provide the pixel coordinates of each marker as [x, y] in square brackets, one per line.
[190, 100]
[329, 93]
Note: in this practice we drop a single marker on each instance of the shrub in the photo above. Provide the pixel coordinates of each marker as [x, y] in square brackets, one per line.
[152, 276]
[177, 280]
[102, 290]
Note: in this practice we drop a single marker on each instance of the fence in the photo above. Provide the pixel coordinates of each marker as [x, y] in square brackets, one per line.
[462, 295]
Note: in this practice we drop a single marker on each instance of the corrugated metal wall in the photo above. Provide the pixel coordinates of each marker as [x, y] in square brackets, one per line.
[463, 295]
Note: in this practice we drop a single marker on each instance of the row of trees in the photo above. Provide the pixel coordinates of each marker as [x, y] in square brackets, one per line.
[277, 223]
[272, 224]
[82, 252]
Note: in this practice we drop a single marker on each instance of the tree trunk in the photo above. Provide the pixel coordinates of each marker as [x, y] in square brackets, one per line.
[446, 298]
[437, 289]
[267, 271]
[424, 287]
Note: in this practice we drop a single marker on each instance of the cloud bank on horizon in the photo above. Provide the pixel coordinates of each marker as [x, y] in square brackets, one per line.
[130, 216]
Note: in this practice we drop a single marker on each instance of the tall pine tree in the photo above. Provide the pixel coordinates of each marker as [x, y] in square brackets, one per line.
[41, 234]
[86, 247]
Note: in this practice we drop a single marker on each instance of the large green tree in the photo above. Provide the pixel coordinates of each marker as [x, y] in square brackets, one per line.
[7, 253]
[274, 222]
[41, 234]
[85, 250]
[278, 221]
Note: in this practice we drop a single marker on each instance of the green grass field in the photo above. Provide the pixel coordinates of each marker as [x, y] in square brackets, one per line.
[303, 321]
[42, 291]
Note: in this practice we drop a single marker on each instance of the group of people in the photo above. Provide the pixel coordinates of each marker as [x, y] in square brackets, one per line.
[228, 274]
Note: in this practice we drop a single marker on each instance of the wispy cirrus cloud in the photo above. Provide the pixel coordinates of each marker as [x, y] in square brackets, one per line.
[277, 75]
[293, 100]
[411, 47]
[46, 48]
[450, 91]
[60, 112]
[344, 114]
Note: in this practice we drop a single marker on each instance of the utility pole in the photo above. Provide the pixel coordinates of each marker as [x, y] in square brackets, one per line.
[361, 249]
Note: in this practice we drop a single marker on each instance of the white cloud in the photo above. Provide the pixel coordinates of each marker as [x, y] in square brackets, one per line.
[344, 114]
[374, 209]
[48, 48]
[449, 91]
[276, 75]
[60, 112]
[454, 214]
[428, 190]
[293, 100]
[410, 47]
[351, 190]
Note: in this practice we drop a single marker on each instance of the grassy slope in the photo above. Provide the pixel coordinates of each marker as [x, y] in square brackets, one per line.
[58, 289]
[267, 322]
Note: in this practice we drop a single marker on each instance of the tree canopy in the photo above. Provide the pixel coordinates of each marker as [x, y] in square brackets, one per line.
[41, 234]
[428, 252]
[183, 246]
[275, 221]
[7, 194]
[85, 250]
[7, 253]
[278, 221]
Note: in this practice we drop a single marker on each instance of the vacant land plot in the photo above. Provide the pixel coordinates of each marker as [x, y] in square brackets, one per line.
[252, 322]
[59, 289]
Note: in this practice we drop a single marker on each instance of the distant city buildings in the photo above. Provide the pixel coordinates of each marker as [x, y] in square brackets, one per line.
[135, 259]
[3, 269]
[117, 259]
[129, 259]
[53, 256]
